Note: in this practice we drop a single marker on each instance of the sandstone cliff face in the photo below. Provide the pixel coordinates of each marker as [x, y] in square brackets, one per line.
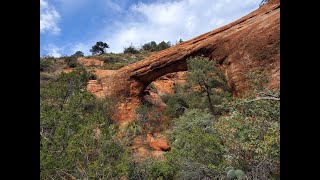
[246, 46]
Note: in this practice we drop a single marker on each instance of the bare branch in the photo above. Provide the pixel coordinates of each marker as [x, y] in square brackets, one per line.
[262, 98]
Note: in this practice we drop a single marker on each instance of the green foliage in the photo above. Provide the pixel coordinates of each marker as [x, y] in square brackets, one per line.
[151, 168]
[258, 80]
[206, 89]
[78, 54]
[152, 46]
[196, 150]
[99, 48]
[251, 134]
[71, 61]
[228, 169]
[131, 49]
[240, 174]
[231, 174]
[203, 74]
[163, 45]
[131, 130]
[176, 105]
[111, 59]
[46, 64]
[148, 118]
[235, 174]
[76, 138]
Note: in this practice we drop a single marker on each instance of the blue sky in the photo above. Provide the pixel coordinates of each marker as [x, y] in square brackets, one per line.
[67, 26]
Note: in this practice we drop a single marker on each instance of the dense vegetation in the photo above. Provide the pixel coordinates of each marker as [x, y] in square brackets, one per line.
[216, 136]
[76, 135]
[212, 134]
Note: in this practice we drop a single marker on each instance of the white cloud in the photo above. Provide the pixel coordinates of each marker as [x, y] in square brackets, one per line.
[80, 47]
[113, 6]
[172, 20]
[53, 50]
[49, 18]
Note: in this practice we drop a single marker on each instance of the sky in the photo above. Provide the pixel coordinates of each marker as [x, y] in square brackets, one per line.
[67, 26]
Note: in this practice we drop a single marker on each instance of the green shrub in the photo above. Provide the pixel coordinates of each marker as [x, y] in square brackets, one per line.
[71, 61]
[231, 174]
[176, 105]
[151, 168]
[131, 130]
[76, 137]
[131, 49]
[78, 54]
[149, 118]
[163, 45]
[251, 134]
[45, 64]
[152, 46]
[239, 173]
[196, 150]
[203, 74]
[112, 59]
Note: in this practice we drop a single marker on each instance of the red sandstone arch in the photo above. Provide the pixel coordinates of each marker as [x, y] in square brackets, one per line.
[249, 43]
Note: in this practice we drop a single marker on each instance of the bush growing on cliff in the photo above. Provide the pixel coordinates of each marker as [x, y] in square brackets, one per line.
[76, 138]
[131, 49]
[45, 64]
[151, 168]
[152, 46]
[206, 88]
[196, 150]
[71, 61]
[176, 105]
[251, 136]
[163, 45]
[204, 74]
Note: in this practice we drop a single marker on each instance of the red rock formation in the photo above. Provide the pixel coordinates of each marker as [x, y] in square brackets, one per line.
[90, 62]
[95, 88]
[243, 46]
[67, 70]
[165, 84]
[158, 144]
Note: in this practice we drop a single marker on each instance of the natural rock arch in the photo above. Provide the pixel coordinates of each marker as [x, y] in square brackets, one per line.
[249, 43]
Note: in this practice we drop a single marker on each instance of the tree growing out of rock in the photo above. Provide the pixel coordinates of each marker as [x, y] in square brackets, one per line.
[204, 74]
[99, 48]
[163, 45]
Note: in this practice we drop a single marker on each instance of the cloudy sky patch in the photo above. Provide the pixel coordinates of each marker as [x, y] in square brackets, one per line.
[122, 23]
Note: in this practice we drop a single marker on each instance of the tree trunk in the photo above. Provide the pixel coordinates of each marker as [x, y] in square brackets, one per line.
[210, 103]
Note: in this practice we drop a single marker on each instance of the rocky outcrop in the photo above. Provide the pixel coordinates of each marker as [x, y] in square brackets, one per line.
[95, 88]
[161, 87]
[250, 44]
[165, 84]
[67, 70]
[90, 62]
[158, 144]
